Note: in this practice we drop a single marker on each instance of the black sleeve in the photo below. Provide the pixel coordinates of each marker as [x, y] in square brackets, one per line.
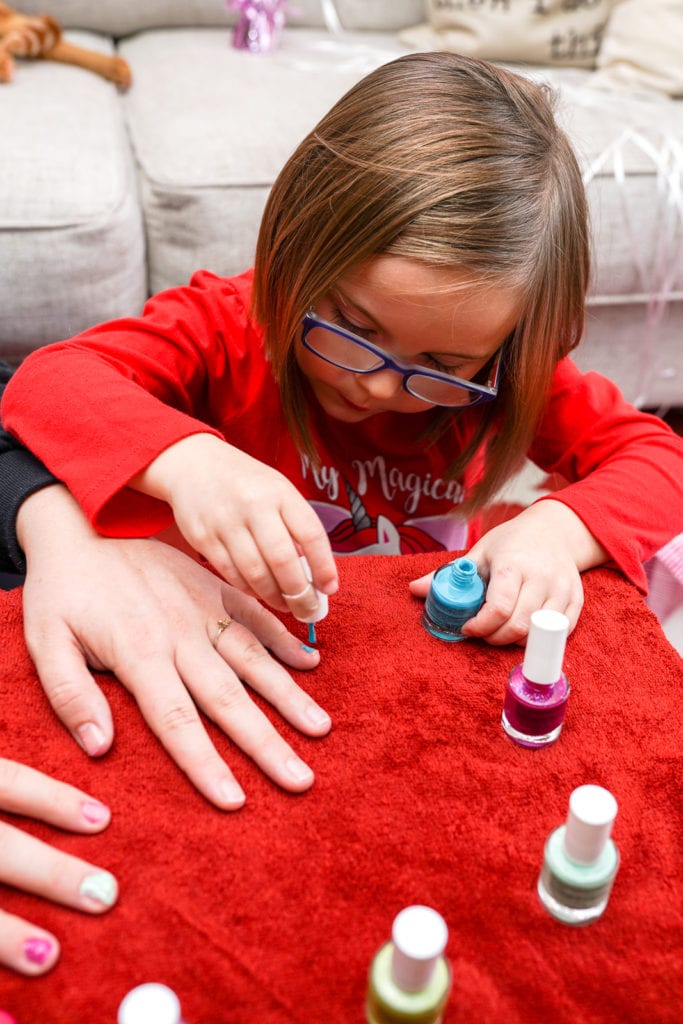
[20, 475]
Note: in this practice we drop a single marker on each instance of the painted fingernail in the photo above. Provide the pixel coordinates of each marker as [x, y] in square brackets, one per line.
[37, 950]
[100, 887]
[91, 738]
[317, 715]
[94, 812]
[308, 650]
[297, 769]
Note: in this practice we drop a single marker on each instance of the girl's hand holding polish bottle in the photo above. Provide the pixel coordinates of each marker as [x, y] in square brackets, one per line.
[532, 561]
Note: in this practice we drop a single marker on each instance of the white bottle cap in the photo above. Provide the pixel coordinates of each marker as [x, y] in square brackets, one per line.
[545, 646]
[419, 935]
[323, 603]
[592, 811]
[150, 1004]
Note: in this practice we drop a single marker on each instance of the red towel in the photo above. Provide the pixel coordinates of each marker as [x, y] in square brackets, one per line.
[271, 915]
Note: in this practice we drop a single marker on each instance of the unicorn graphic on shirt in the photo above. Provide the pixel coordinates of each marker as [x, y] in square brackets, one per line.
[353, 531]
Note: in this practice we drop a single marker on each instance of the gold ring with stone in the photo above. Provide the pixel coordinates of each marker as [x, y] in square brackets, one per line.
[222, 626]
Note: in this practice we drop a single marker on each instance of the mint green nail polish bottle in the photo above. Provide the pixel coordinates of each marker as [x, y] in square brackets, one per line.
[150, 1003]
[580, 860]
[410, 979]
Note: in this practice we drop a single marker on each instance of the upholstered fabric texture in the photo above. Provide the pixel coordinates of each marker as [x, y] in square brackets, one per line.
[205, 175]
[66, 173]
[538, 32]
[273, 914]
[124, 17]
[643, 48]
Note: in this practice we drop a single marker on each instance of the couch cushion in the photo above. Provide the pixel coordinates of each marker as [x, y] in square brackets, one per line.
[643, 47]
[67, 187]
[212, 126]
[231, 119]
[124, 17]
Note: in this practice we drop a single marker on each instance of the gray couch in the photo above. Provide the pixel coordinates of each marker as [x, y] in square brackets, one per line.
[106, 198]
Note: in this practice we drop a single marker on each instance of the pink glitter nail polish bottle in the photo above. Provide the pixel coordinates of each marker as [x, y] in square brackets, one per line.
[537, 690]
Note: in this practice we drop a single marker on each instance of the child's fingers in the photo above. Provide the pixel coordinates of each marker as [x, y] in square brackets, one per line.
[26, 948]
[420, 587]
[261, 554]
[511, 600]
[24, 790]
[28, 863]
[272, 633]
[502, 619]
[313, 542]
[76, 699]
[267, 558]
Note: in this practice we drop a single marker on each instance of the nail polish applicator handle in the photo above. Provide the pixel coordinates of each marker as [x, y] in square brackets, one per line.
[323, 602]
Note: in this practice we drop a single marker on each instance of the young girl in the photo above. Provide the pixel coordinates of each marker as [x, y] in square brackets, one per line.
[399, 348]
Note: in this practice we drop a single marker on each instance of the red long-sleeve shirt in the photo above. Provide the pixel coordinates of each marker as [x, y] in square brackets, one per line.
[99, 408]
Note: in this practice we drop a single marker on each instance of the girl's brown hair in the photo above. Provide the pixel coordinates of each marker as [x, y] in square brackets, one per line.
[456, 163]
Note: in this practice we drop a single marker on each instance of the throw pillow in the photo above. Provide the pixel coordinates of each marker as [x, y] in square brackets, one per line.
[643, 47]
[559, 32]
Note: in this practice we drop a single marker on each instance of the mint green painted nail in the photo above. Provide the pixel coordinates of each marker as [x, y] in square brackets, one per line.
[101, 887]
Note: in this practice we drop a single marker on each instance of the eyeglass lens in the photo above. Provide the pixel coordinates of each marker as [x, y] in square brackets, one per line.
[348, 355]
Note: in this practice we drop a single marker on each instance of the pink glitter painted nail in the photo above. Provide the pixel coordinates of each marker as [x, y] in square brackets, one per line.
[37, 950]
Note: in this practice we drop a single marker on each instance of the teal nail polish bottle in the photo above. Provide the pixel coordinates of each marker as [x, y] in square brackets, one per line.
[410, 979]
[580, 860]
[455, 595]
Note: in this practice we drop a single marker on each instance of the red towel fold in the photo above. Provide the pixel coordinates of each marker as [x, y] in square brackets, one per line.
[271, 915]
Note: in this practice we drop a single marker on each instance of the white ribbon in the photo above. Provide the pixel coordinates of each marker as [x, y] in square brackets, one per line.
[657, 281]
[331, 17]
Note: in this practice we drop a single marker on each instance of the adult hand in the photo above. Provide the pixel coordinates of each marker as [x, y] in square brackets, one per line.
[246, 519]
[532, 561]
[150, 614]
[34, 866]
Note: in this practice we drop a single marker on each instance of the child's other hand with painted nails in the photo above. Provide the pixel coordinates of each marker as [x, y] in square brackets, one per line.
[530, 562]
[28, 863]
[247, 519]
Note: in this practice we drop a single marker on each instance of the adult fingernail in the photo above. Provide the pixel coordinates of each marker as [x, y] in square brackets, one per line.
[38, 950]
[299, 771]
[100, 887]
[94, 812]
[229, 792]
[317, 715]
[308, 650]
[91, 738]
